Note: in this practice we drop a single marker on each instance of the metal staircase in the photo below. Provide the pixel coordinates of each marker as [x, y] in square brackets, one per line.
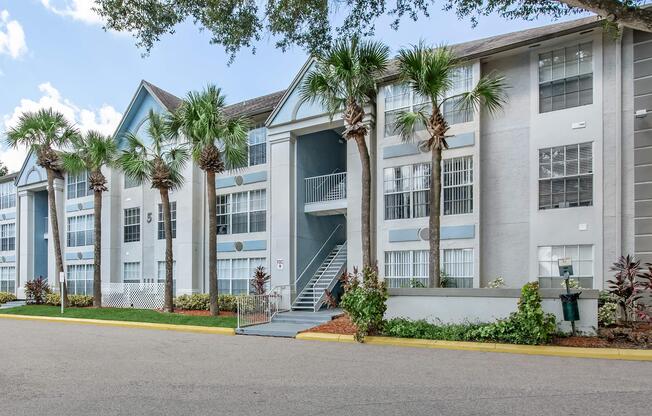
[312, 296]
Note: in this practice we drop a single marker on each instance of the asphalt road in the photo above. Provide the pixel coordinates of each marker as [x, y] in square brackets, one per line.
[66, 369]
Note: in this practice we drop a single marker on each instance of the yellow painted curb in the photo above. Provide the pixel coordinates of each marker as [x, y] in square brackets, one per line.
[602, 353]
[127, 324]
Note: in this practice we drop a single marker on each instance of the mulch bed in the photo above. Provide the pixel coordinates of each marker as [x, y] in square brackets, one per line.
[637, 336]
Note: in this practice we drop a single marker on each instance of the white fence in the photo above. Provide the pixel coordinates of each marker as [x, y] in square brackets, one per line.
[326, 187]
[133, 295]
[260, 309]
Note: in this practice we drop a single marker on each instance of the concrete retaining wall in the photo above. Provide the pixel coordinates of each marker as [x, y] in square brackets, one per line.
[484, 305]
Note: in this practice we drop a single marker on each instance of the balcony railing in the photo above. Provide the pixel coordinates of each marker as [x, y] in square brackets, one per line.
[325, 188]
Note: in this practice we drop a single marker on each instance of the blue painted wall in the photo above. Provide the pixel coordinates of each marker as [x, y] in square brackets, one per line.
[40, 229]
[133, 121]
[317, 154]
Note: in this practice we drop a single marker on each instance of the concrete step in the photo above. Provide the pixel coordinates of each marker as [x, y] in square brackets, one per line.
[275, 329]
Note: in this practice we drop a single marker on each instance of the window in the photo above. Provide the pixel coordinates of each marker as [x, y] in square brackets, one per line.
[132, 225]
[566, 78]
[457, 264]
[131, 183]
[78, 185]
[566, 176]
[458, 185]
[257, 146]
[7, 195]
[399, 98]
[406, 268]
[8, 279]
[131, 272]
[8, 237]
[407, 191]
[79, 279]
[161, 224]
[80, 230]
[242, 212]
[161, 274]
[234, 275]
[582, 260]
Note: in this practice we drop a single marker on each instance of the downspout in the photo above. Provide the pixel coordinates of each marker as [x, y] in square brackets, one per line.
[618, 155]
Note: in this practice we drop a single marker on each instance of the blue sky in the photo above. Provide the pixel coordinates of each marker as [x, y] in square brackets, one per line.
[55, 53]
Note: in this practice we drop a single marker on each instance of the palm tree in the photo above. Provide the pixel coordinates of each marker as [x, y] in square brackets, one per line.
[431, 73]
[44, 132]
[160, 162]
[218, 143]
[344, 80]
[90, 153]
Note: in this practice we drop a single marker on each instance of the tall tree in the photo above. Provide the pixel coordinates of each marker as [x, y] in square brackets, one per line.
[218, 142]
[3, 169]
[344, 80]
[90, 153]
[159, 160]
[431, 74]
[309, 23]
[44, 132]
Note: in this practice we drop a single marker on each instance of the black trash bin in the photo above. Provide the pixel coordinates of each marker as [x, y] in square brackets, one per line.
[569, 306]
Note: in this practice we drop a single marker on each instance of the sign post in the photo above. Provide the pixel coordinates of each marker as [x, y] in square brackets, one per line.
[62, 280]
[569, 300]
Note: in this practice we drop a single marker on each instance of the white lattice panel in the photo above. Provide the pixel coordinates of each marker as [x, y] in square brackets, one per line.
[133, 295]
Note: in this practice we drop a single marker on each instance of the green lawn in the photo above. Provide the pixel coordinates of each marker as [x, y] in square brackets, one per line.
[123, 314]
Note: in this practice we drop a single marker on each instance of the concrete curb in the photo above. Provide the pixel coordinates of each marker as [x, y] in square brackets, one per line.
[602, 353]
[126, 324]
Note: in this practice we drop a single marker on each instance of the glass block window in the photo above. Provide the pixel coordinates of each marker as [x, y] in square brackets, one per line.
[131, 272]
[457, 264]
[8, 237]
[161, 223]
[457, 185]
[79, 279]
[80, 230]
[566, 78]
[132, 225]
[160, 274]
[242, 212]
[8, 279]
[582, 260]
[257, 146]
[406, 191]
[7, 195]
[130, 182]
[399, 98]
[234, 275]
[77, 185]
[406, 268]
[566, 176]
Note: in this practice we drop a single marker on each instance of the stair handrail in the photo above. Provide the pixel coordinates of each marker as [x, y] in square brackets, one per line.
[332, 283]
[325, 178]
[296, 282]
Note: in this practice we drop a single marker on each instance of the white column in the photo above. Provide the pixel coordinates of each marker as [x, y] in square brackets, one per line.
[282, 208]
[25, 241]
[53, 279]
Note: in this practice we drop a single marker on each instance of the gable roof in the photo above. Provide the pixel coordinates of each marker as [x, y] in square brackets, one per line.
[8, 177]
[170, 101]
[254, 106]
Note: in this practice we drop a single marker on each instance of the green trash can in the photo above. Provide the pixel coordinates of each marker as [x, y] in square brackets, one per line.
[569, 306]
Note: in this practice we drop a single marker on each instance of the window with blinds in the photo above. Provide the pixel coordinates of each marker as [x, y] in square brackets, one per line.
[566, 176]
[566, 78]
[457, 185]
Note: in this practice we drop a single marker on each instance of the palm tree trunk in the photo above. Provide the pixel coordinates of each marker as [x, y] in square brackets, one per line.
[366, 200]
[434, 221]
[169, 260]
[212, 242]
[97, 249]
[54, 220]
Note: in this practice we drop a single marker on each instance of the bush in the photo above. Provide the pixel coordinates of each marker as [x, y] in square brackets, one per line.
[364, 304]
[77, 301]
[528, 325]
[422, 329]
[6, 297]
[36, 291]
[259, 281]
[497, 283]
[201, 302]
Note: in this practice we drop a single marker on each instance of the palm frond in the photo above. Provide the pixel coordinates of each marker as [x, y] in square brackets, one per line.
[429, 71]
[235, 146]
[407, 123]
[489, 93]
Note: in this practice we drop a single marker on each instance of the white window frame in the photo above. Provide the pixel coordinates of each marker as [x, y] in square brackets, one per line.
[134, 222]
[225, 274]
[561, 69]
[458, 264]
[457, 185]
[405, 267]
[161, 223]
[160, 274]
[574, 175]
[257, 139]
[8, 279]
[583, 261]
[80, 276]
[77, 185]
[8, 236]
[7, 195]
[252, 202]
[80, 230]
[413, 185]
[135, 272]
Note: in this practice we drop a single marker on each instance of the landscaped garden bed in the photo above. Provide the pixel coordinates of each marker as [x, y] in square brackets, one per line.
[123, 314]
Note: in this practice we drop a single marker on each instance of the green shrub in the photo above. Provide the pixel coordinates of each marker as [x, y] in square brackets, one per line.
[77, 301]
[364, 304]
[528, 325]
[422, 329]
[6, 297]
[36, 291]
[201, 302]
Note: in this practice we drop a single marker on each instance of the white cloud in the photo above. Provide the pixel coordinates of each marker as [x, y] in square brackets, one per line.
[105, 119]
[81, 10]
[12, 36]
